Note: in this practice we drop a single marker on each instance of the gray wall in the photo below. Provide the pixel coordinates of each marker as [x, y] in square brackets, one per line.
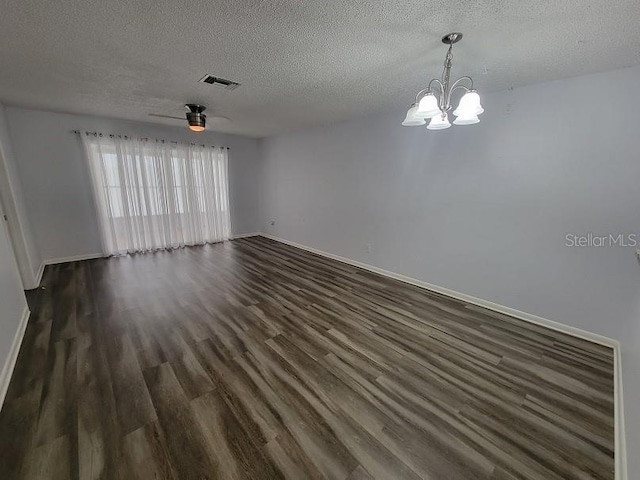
[484, 209]
[56, 185]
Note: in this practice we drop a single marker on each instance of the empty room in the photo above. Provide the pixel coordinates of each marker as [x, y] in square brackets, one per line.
[287, 239]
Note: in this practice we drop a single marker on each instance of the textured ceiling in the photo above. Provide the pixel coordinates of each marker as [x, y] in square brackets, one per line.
[300, 63]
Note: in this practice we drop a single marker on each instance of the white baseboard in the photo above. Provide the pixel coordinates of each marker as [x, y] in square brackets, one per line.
[39, 274]
[10, 362]
[245, 235]
[620, 439]
[74, 258]
[55, 261]
[620, 448]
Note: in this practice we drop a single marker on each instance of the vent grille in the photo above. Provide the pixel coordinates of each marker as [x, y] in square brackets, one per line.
[221, 82]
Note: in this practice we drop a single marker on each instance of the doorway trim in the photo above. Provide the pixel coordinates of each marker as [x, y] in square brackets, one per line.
[14, 223]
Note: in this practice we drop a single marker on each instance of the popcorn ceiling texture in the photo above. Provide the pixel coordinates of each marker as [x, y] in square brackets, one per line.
[301, 63]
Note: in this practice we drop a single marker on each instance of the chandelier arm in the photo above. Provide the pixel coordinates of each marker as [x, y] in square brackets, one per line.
[424, 90]
[438, 82]
[441, 88]
[457, 84]
[466, 77]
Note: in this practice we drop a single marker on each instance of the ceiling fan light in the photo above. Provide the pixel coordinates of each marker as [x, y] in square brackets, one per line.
[469, 105]
[466, 120]
[428, 106]
[196, 119]
[439, 122]
[412, 119]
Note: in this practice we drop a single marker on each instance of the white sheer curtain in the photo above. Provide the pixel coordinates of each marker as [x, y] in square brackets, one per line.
[152, 195]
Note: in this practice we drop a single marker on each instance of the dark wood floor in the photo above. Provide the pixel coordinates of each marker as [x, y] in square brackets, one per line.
[252, 359]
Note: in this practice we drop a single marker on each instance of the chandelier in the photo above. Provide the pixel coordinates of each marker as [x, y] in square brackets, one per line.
[434, 102]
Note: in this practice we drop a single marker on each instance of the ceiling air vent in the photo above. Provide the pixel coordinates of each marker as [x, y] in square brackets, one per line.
[220, 82]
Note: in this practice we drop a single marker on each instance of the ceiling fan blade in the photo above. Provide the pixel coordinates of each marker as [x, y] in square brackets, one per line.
[166, 116]
[218, 119]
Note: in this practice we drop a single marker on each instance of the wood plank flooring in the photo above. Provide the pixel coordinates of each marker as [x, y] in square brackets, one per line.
[252, 359]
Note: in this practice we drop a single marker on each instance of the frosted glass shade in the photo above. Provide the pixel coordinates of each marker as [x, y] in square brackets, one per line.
[466, 120]
[469, 105]
[428, 106]
[439, 122]
[412, 119]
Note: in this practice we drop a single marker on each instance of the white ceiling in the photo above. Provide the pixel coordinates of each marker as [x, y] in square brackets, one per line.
[300, 63]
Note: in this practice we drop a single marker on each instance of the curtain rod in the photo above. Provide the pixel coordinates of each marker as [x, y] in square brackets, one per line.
[111, 135]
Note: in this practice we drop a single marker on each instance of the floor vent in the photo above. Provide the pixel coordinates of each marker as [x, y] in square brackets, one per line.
[220, 82]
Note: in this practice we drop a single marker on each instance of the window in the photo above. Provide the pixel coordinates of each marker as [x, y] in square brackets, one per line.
[153, 195]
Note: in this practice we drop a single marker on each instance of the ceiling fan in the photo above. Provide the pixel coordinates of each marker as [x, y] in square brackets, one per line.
[195, 118]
